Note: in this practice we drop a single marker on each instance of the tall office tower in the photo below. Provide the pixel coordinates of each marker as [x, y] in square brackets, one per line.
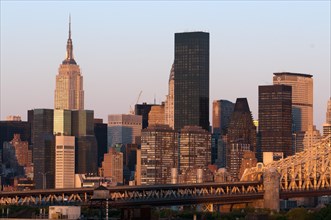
[64, 162]
[327, 124]
[124, 129]
[275, 118]
[169, 103]
[222, 111]
[100, 132]
[194, 153]
[62, 122]
[157, 115]
[241, 136]
[43, 149]
[191, 80]
[143, 110]
[69, 93]
[302, 98]
[159, 154]
[86, 155]
[112, 165]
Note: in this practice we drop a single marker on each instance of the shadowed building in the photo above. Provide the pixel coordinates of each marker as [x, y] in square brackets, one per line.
[222, 111]
[43, 149]
[191, 80]
[143, 110]
[241, 136]
[100, 132]
[69, 93]
[275, 118]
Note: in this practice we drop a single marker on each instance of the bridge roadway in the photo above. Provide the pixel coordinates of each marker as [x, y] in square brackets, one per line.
[157, 195]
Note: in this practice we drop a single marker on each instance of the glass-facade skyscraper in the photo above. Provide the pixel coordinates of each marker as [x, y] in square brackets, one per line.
[275, 118]
[191, 80]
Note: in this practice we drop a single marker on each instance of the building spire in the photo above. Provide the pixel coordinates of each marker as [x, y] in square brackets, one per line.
[70, 56]
[69, 26]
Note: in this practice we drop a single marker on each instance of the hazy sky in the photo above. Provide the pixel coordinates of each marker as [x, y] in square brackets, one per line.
[125, 47]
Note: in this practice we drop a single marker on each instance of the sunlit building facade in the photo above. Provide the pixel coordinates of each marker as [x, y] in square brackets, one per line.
[302, 98]
[159, 154]
[112, 165]
[69, 93]
[64, 161]
[327, 124]
[170, 103]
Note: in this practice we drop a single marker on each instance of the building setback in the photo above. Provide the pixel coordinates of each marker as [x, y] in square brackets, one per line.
[275, 118]
[191, 80]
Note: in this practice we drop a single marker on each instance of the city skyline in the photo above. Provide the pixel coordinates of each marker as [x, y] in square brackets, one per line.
[129, 58]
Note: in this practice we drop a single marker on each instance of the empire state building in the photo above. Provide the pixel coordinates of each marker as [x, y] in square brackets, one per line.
[69, 93]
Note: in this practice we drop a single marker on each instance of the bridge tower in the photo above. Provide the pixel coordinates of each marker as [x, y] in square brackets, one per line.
[271, 189]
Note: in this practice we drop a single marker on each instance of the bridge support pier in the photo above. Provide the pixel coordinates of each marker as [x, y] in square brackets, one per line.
[271, 189]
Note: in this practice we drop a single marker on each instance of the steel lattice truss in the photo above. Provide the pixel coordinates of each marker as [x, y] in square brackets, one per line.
[144, 195]
[307, 170]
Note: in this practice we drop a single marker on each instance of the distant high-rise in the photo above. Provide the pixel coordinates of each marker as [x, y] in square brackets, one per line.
[64, 162]
[222, 111]
[100, 132]
[159, 154]
[143, 110]
[124, 129]
[62, 122]
[327, 124]
[156, 115]
[191, 90]
[169, 104]
[241, 136]
[69, 93]
[302, 98]
[43, 149]
[86, 156]
[275, 118]
[112, 165]
[194, 153]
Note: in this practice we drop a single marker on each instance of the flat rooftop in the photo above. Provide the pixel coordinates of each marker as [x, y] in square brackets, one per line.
[293, 74]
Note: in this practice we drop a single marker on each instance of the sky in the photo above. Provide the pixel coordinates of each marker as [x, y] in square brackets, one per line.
[124, 47]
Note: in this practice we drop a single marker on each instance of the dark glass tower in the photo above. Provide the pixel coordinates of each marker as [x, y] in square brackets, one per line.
[191, 80]
[275, 118]
[43, 149]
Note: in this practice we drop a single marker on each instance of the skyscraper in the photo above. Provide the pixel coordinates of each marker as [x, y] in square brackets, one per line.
[112, 165]
[124, 129]
[194, 153]
[327, 124]
[222, 111]
[159, 154]
[43, 149]
[156, 115]
[302, 98]
[169, 104]
[64, 161]
[275, 118]
[69, 93]
[191, 80]
[241, 136]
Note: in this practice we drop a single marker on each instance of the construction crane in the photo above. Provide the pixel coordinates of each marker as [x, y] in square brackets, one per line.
[132, 109]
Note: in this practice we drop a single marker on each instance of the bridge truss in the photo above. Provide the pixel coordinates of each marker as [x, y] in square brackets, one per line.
[163, 195]
[307, 170]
